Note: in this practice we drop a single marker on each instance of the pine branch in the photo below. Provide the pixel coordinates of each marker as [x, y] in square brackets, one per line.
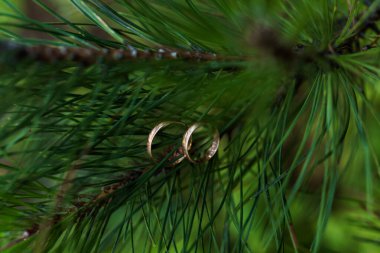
[82, 208]
[87, 56]
[27, 234]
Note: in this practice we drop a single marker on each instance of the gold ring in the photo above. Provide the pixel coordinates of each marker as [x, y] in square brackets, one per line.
[153, 134]
[186, 143]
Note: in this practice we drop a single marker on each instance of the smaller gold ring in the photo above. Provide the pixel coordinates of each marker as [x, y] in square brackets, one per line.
[153, 134]
[186, 143]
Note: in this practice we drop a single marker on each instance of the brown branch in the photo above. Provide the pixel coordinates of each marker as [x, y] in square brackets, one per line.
[293, 236]
[65, 187]
[80, 206]
[47, 225]
[89, 56]
[26, 235]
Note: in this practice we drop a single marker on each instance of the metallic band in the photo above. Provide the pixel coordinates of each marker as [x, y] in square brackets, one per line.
[153, 134]
[186, 143]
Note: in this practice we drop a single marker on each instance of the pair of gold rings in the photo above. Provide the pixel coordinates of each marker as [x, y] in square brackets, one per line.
[185, 150]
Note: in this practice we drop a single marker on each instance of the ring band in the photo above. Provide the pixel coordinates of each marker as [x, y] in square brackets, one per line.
[153, 134]
[186, 142]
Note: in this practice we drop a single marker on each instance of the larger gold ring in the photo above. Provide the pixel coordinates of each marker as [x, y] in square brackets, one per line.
[153, 134]
[186, 143]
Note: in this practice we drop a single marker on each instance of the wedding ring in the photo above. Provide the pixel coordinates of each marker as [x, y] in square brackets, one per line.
[153, 134]
[186, 143]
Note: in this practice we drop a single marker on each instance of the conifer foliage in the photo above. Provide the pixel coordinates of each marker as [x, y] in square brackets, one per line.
[290, 85]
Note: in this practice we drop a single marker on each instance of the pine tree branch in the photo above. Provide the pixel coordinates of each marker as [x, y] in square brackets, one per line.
[83, 207]
[13, 243]
[87, 56]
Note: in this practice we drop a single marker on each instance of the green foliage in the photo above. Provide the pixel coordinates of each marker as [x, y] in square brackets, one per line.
[294, 96]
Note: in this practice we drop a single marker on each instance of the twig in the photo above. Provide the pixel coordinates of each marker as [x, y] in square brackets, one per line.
[25, 236]
[28, 233]
[293, 236]
[89, 56]
[66, 185]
